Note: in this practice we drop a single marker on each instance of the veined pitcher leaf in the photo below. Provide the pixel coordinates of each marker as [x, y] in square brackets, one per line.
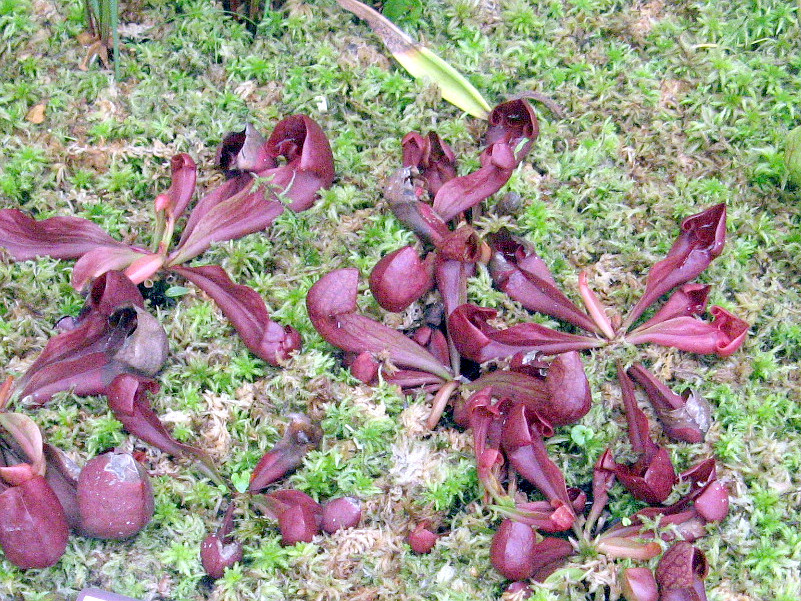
[421, 62]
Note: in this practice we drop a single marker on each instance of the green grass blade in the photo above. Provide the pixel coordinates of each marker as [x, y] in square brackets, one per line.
[114, 6]
[93, 16]
[421, 62]
[95, 7]
[105, 19]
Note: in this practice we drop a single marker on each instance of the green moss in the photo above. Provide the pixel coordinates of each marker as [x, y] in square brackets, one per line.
[459, 487]
[21, 173]
[105, 433]
[664, 115]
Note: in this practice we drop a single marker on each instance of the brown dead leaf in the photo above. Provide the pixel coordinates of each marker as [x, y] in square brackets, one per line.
[37, 114]
[85, 38]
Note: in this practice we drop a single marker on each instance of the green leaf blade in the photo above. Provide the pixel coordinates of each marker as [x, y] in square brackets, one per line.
[421, 62]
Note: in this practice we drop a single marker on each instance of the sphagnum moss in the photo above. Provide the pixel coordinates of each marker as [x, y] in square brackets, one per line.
[669, 108]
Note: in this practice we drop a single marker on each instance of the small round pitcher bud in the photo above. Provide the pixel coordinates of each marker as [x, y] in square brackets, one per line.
[216, 554]
[422, 540]
[344, 512]
[512, 550]
[115, 499]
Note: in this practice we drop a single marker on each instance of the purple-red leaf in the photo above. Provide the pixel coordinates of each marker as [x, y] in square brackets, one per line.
[651, 482]
[363, 366]
[602, 480]
[412, 378]
[681, 572]
[245, 309]
[519, 272]
[26, 434]
[702, 238]
[518, 254]
[400, 278]
[411, 212]
[702, 473]
[112, 335]
[683, 525]
[110, 292]
[561, 395]
[220, 194]
[707, 501]
[101, 259]
[451, 277]
[511, 123]
[299, 516]
[686, 417]
[688, 300]
[550, 554]
[517, 555]
[309, 167]
[433, 340]
[127, 398]
[652, 476]
[485, 418]
[522, 441]
[300, 437]
[544, 515]
[513, 550]
[594, 307]
[245, 212]
[518, 591]
[274, 503]
[177, 197]
[88, 374]
[456, 262]
[115, 499]
[298, 524]
[639, 584]
[331, 303]
[6, 389]
[477, 340]
[58, 237]
[712, 502]
[628, 547]
[461, 193]
[306, 165]
[636, 420]
[220, 550]
[16, 474]
[244, 151]
[463, 245]
[708, 495]
[62, 476]
[215, 555]
[33, 527]
[722, 336]
[431, 156]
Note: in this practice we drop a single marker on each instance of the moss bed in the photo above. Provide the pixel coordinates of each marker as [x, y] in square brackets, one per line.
[669, 107]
